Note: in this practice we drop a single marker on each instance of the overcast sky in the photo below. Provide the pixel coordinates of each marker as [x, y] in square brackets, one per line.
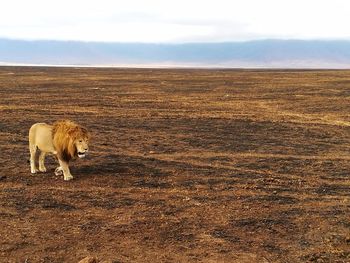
[174, 21]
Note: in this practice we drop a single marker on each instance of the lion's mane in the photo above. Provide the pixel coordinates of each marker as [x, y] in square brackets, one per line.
[64, 134]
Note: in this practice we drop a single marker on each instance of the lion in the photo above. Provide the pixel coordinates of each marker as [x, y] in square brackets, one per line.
[65, 139]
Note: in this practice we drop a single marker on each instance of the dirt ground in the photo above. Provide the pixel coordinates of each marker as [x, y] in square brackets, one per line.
[212, 166]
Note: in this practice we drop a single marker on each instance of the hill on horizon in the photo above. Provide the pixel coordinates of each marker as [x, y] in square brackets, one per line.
[249, 54]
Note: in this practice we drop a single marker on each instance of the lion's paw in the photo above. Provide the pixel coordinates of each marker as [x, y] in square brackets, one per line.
[67, 178]
[59, 171]
[42, 169]
[33, 171]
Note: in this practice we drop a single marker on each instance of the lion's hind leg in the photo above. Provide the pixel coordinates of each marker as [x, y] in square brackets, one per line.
[32, 149]
[42, 167]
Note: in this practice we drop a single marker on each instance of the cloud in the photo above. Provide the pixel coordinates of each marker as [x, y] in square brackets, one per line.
[174, 21]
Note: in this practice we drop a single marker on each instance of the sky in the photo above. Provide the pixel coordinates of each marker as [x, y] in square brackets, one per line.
[176, 21]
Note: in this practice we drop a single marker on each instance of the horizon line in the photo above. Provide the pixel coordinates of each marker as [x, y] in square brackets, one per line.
[168, 66]
[180, 42]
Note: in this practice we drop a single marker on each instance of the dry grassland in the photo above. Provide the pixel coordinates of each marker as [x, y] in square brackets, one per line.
[185, 166]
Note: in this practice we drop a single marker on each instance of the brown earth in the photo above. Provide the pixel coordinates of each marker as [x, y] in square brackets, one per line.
[185, 166]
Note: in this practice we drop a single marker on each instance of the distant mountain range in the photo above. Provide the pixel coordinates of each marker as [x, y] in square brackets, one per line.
[250, 54]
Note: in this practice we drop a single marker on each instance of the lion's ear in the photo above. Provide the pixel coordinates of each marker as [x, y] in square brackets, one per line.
[72, 132]
[85, 132]
[88, 135]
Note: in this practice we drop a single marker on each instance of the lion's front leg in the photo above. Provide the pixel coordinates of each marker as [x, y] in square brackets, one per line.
[58, 171]
[42, 167]
[66, 172]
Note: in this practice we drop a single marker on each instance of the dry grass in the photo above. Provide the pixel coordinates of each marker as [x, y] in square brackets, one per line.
[185, 166]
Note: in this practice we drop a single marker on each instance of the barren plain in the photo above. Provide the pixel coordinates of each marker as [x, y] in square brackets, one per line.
[185, 165]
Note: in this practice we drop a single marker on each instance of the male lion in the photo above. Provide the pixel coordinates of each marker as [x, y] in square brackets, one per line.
[65, 139]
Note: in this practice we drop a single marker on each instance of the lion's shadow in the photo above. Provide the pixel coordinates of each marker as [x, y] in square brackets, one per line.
[102, 165]
[115, 165]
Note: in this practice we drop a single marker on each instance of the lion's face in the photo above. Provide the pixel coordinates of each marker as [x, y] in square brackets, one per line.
[82, 146]
[70, 140]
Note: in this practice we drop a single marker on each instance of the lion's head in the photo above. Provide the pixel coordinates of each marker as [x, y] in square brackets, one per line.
[70, 140]
[80, 141]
